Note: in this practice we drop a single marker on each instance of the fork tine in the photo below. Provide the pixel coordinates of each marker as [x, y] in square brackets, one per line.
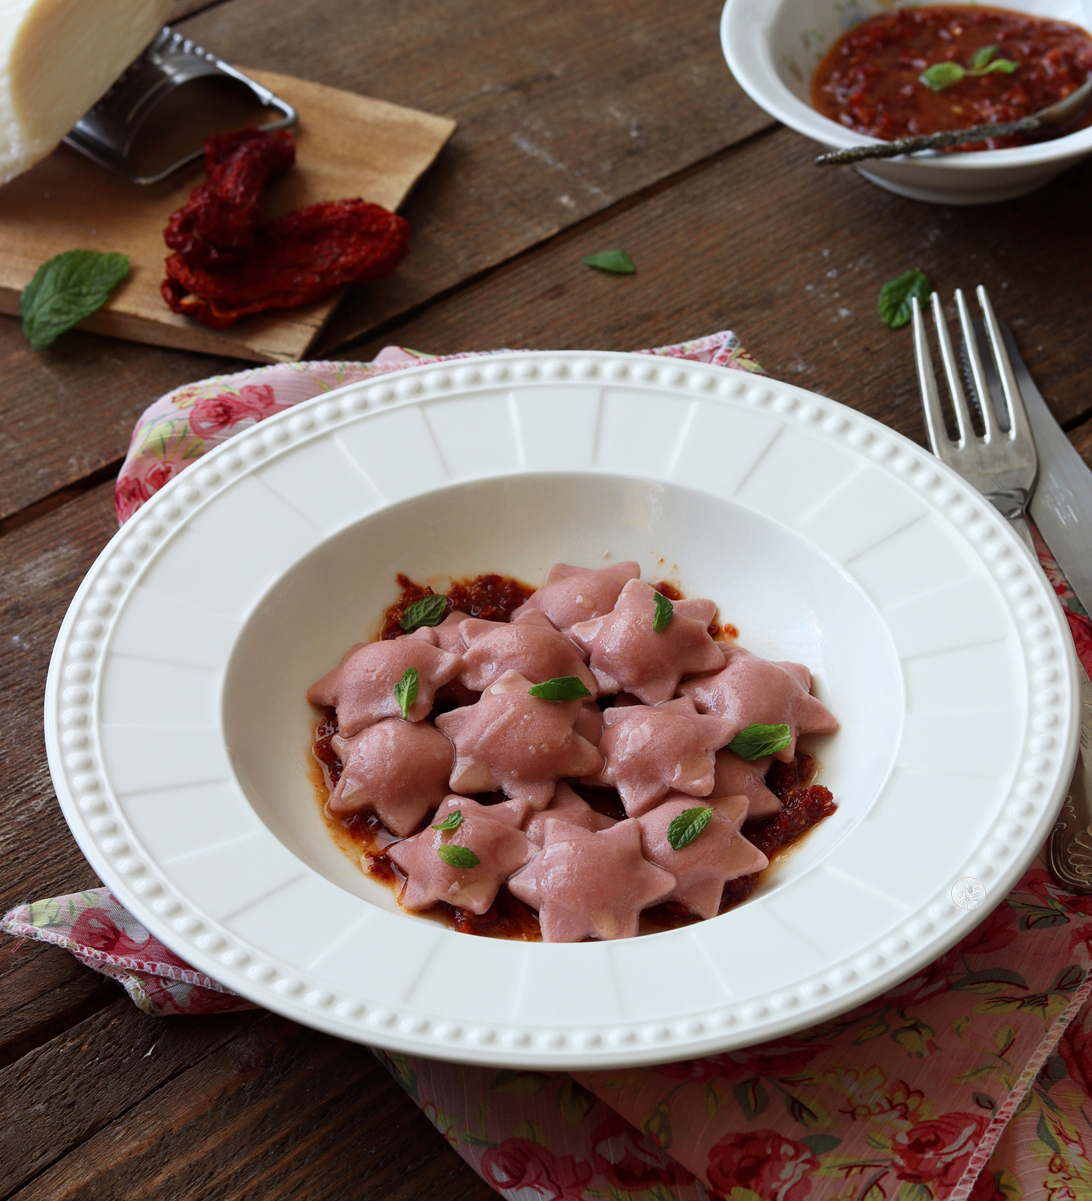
[978, 373]
[930, 398]
[1019, 426]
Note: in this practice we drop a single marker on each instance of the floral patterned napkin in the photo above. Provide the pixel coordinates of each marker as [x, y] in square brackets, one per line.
[971, 1080]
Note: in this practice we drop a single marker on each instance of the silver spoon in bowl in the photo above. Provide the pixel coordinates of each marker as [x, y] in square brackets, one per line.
[1059, 113]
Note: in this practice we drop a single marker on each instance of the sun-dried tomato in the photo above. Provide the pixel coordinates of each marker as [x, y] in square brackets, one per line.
[217, 223]
[298, 258]
[227, 266]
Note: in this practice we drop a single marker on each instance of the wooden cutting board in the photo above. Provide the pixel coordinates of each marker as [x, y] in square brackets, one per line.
[347, 145]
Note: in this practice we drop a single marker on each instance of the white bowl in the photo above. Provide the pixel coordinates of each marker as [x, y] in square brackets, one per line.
[774, 46]
[178, 731]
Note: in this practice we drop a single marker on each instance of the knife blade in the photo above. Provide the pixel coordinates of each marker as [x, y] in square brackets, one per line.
[1061, 504]
[1061, 508]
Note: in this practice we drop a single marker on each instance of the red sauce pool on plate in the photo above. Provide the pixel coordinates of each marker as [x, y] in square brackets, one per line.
[869, 80]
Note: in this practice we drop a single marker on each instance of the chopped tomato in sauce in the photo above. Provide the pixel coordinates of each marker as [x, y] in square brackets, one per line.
[870, 81]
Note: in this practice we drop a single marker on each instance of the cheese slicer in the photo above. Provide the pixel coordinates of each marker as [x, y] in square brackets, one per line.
[154, 119]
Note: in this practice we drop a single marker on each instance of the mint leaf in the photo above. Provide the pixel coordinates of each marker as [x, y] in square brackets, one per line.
[560, 688]
[941, 75]
[687, 826]
[896, 294]
[455, 856]
[452, 822]
[428, 611]
[405, 691]
[617, 262]
[665, 611]
[981, 57]
[756, 741]
[67, 288]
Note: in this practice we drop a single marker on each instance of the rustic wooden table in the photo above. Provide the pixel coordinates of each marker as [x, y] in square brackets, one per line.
[581, 128]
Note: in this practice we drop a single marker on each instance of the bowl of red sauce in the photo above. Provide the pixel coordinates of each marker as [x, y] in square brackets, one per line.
[872, 70]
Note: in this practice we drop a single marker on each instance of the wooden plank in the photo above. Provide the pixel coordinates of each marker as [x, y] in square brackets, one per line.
[553, 126]
[793, 257]
[280, 1112]
[43, 991]
[58, 1097]
[40, 568]
[347, 145]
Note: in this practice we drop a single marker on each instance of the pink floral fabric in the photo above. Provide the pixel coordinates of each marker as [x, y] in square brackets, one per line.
[971, 1081]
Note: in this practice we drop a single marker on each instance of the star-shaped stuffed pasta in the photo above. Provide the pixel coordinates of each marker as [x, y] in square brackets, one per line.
[750, 691]
[566, 806]
[528, 644]
[488, 833]
[588, 884]
[513, 741]
[628, 654]
[398, 769]
[734, 776]
[362, 685]
[573, 594]
[651, 750]
[702, 867]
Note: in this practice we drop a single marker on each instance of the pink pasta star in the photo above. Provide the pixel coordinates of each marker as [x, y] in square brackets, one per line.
[566, 806]
[590, 885]
[398, 769]
[650, 750]
[528, 644]
[573, 594]
[734, 776]
[513, 741]
[702, 867]
[750, 691]
[362, 685]
[488, 833]
[447, 633]
[629, 655]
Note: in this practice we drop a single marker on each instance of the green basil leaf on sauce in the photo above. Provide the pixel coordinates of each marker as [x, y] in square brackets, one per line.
[560, 688]
[452, 822]
[617, 262]
[665, 611]
[999, 64]
[428, 611]
[981, 57]
[896, 295]
[455, 856]
[405, 691]
[942, 75]
[756, 741]
[687, 826]
[67, 288]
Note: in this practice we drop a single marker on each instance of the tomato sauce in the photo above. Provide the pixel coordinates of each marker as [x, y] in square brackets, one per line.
[870, 79]
[490, 597]
[363, 835]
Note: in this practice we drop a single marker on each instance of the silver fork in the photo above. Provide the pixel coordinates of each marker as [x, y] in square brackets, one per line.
[1002, 465]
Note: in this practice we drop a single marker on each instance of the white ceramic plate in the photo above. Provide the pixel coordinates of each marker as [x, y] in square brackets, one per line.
[178, 731]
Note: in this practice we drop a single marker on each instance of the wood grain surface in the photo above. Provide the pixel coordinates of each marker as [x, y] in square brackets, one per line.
[581, 128]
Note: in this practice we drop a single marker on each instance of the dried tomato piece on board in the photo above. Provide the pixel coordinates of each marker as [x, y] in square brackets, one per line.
[218, 222]
[298, 258]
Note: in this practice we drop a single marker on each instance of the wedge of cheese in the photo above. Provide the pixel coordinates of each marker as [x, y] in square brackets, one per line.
[57, 57]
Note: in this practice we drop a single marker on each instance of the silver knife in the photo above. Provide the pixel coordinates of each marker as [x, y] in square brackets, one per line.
[1061, 507]
[1061, 504]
